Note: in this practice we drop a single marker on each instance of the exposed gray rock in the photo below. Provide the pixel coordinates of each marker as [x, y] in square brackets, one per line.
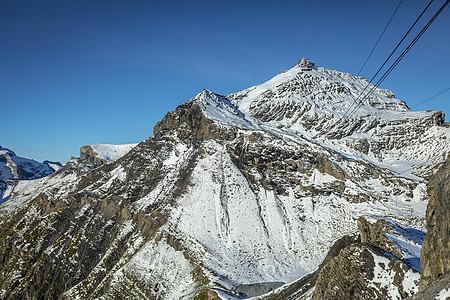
[435, 256]
[299, 288]
[361, 272]
[89, 156]
[434, 290]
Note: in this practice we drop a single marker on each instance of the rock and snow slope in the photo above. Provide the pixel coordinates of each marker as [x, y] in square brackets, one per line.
[20, 189]
[107, 152]
[249, 188]
[13, 167]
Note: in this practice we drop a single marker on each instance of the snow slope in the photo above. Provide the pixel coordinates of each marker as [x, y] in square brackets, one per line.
[110, 152]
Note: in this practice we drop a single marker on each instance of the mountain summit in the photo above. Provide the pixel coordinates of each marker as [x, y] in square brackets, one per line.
[232, 197]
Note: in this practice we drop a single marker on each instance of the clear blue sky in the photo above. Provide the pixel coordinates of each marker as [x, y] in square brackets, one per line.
[75, 73]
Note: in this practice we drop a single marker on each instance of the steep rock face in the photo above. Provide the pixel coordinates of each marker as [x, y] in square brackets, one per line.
[381, 264]
[302, 288]
[403, 242]
[88, 155]
[438, 289]
[190, 122]
[435, 258]
[99, 154]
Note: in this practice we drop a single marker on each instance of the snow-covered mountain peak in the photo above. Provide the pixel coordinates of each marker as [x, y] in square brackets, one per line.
[220, 109]
[316, 104]
[316, 99]
[6, 151]
[110, 152]
[318, 90]
[14, 167]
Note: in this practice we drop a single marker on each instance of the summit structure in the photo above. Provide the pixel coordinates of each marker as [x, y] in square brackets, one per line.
[305, 64]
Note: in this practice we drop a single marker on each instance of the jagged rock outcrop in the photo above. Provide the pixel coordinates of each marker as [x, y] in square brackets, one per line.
[189, 122]
[391, 237]
[435, 257]
[374, 233]
[363, 269]
[361, 272]
[89, 156]
[300, 288]
[100, 154]
[384, 265]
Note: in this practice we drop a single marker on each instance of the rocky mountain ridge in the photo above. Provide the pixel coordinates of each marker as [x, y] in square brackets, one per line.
[228, 197]
[13, 167]
[90, 158]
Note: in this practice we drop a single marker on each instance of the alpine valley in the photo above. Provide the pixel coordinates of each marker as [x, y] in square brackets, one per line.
[273, 192]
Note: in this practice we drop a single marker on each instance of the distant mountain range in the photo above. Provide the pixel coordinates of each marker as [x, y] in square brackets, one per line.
[278, 191]
[13, 167]
[16, 170]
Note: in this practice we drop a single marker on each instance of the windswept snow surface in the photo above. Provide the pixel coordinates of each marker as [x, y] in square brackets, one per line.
[110, 152]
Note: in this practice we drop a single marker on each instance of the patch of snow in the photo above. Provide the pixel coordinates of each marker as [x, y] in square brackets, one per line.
[443, 294]
[179, 150]
[54, 166]
[110, 152]
[383, 277]
[159, 262]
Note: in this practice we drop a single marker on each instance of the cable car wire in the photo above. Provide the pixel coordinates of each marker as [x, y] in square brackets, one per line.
[384, 30]
[430, 98]
[390, 55]
[402, 55]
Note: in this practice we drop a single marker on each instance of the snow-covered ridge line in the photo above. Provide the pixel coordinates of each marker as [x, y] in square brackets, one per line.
[111, 152]
[313, 106]
[13, 167]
